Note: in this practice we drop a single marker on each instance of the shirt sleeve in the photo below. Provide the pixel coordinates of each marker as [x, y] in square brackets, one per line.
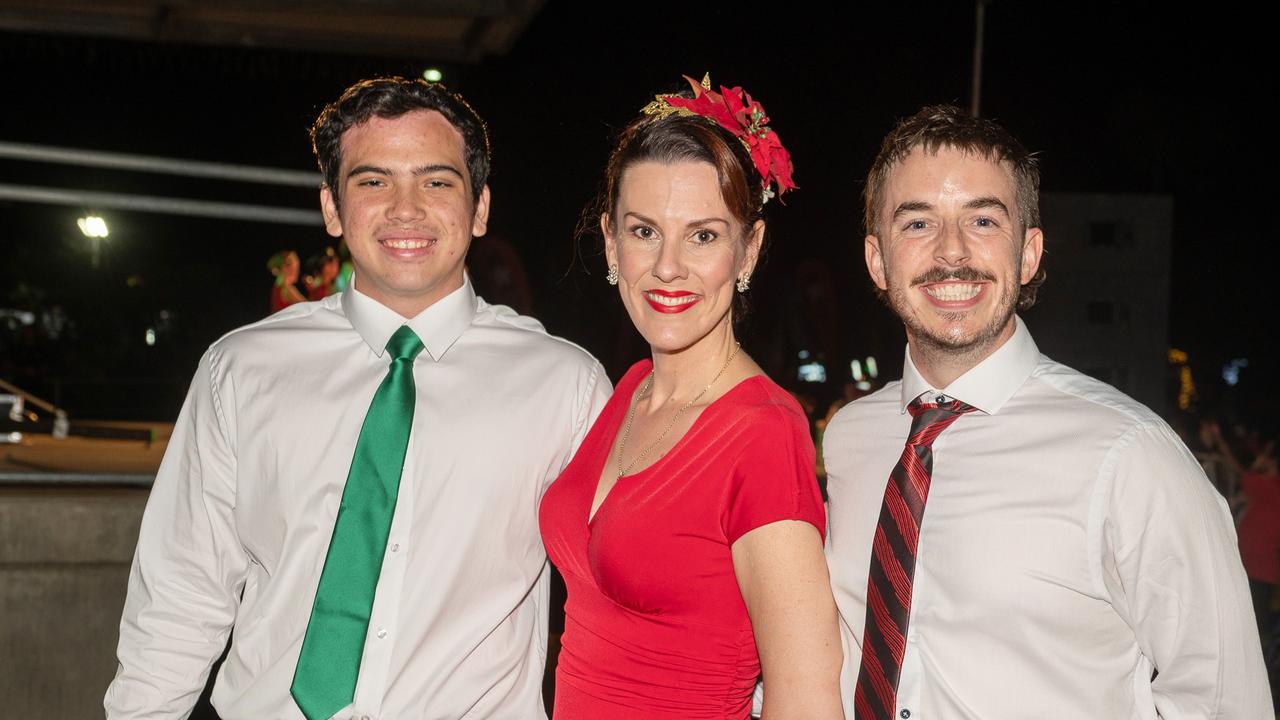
[596, 391]
[1172, 569]
[188, 569]
[774, 477]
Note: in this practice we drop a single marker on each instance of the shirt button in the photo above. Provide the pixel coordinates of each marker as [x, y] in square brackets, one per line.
[904, 714]
[382, 632]
[395, 547]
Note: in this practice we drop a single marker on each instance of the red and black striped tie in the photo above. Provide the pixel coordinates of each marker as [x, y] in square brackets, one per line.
[893, 561]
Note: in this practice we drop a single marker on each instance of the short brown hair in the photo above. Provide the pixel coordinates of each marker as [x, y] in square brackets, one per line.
[946, 126]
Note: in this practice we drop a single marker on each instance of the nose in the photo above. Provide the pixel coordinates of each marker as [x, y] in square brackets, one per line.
[952, 247]
[405, 205]
[669, 265]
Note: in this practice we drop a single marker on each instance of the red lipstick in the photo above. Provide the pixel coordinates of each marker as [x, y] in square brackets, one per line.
[676, 301]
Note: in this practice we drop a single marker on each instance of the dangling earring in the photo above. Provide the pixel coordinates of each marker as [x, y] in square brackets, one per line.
[612, 277]
[744, 282]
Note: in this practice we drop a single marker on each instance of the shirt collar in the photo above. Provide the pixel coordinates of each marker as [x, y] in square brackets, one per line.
[987, 385]
[438, 326]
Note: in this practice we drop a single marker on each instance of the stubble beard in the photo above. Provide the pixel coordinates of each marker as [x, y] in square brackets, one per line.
[928, 342]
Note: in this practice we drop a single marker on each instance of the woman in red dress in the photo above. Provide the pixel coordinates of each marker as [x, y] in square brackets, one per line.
[689, 525]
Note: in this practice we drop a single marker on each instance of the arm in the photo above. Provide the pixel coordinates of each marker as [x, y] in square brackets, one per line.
[187, 570]
[1172, 569]
[783, 576]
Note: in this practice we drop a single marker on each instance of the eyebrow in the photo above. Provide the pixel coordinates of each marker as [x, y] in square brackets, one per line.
[691, 223]
[910, 207]
[416, 172]
[986, 202]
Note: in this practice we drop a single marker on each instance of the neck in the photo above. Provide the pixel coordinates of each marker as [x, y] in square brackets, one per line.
[679, 375]
[940, 365]
[409, 306]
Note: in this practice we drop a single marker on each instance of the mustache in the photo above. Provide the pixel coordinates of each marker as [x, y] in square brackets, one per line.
[941, 274]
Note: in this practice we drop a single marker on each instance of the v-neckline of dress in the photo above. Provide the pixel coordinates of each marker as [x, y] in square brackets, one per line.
[679, 443]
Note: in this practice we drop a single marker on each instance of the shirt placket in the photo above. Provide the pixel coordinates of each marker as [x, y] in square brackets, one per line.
[375, 664]
[911, 683]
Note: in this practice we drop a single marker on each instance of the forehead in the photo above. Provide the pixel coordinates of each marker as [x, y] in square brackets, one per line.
[948, 173]
[689, 188]
[413, 138]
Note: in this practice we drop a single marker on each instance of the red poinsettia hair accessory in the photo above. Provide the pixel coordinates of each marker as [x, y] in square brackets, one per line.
[734, 110]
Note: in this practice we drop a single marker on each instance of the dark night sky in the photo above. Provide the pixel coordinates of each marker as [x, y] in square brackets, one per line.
[1114, 98]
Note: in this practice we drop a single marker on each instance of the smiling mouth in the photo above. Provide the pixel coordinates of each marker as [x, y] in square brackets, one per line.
[407, 243]
[953, 292]
[671, 302]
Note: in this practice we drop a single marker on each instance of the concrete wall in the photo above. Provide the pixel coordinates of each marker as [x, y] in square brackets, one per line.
[64, 566]
[1105, 307]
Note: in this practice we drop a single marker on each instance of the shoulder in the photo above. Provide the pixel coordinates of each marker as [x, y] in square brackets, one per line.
[1135, 445]
[525, 335]
[760, 415]
[874, 408]
[1074, 392]
[284, 331]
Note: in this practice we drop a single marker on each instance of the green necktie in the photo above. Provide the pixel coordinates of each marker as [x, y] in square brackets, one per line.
[325, 679]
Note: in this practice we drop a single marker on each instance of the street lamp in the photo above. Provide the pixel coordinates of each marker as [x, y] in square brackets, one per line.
[94, 228]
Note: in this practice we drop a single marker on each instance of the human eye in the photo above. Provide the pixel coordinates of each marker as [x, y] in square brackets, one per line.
[439, 182]
[915, 225]
[371, 181]
[705, 237]
[643, 232]
[986, 222]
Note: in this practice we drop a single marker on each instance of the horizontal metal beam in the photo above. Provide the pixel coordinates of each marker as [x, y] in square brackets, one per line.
[72, 478]
[91, 200]
[161, 165]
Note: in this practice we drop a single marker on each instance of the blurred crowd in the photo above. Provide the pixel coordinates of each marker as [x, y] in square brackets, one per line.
[324, 274]
[1240, 460]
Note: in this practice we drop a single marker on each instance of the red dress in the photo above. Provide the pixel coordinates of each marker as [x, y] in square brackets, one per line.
[655, 624]
[1259, 530]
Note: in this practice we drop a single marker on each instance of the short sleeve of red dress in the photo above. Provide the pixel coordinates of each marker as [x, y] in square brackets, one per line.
[773, 478]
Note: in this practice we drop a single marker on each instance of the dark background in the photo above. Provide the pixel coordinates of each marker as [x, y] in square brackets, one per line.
[1114, 98]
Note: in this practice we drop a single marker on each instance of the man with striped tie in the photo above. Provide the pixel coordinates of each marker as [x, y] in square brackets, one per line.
[1010, 538]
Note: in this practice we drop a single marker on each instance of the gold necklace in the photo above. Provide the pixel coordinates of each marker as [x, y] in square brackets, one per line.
[631, 415]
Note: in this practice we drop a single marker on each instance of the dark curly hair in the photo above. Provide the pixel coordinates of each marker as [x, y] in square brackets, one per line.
[391, 97]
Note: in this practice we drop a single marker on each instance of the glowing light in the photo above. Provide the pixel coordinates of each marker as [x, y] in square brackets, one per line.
[804, 354]
[1187, 390]
[855, 369]
[862, 385]
[872, 368]
[151, 336]
[432, 75]
[92, 226]
[813, 372]
[1231, 371]
[1177, 357]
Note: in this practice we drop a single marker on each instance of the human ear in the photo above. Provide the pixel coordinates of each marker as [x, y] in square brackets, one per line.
[755, 241]
[329, 210]
[610, 242]
[875, 261]
[480, 221]
[1032, 249]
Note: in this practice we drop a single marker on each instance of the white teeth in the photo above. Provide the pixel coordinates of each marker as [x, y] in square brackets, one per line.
[407, 244]
[953, 292]
[671, 301]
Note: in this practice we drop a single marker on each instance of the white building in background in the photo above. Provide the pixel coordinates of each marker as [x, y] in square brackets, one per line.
[1105, 307]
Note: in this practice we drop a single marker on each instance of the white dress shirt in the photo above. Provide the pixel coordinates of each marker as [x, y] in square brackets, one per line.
[239, 519]
[1071, 548]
